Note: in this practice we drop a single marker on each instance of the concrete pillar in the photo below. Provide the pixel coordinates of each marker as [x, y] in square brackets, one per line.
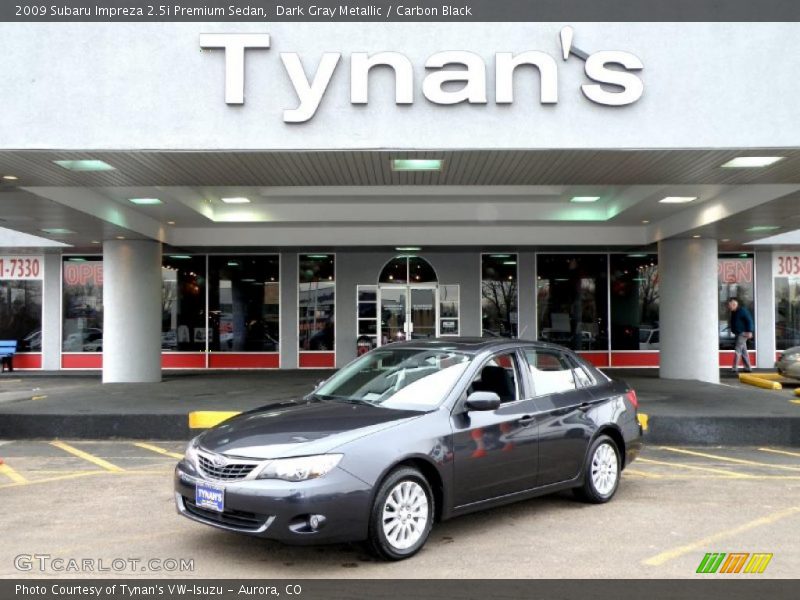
[51, 312]
[688, 313]
[288, 341]
[765, 310]
[132, 311]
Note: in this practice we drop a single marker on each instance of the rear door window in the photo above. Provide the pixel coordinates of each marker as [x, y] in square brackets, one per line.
[550, 370]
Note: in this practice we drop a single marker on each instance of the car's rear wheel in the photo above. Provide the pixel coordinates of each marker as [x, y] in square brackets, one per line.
[601, 472]
[402, 515]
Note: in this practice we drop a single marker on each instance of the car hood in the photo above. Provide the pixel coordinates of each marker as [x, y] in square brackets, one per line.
[299, 428]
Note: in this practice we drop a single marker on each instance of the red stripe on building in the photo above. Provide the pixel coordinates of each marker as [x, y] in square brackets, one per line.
[634, 359]
[170, 360]
[28, 360]
[82, 360]
[230, 360]
[598, 359]
[317, 360]
[726, 358]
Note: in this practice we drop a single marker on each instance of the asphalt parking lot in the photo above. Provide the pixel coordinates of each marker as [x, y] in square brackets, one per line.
[113, 499]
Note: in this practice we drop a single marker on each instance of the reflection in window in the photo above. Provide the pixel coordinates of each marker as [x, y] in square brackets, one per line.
[183, 303]
[21, 313]
[448, 310]
[82, 328]
[243, 303]
[735, 280]
[634, 302]
[551, 372]
[407, 269]
[367, 305]
[317, 290]
[787, 312]
[499, 295]
[572, 299]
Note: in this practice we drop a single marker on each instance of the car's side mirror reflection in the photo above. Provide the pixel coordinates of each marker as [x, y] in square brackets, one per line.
[482, 401]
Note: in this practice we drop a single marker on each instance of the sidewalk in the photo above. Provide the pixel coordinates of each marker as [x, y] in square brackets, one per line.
[76, 405]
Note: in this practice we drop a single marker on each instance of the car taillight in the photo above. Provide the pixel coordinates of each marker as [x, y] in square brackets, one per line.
[631, 395]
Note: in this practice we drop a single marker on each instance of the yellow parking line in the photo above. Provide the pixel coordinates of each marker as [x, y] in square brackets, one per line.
[10, 380]
[787, 453]
[59, 478]
[158, 450]
[12, 474]
[660, 559]
[642, 473]
[729, 459]
[38, 397]
[86, 456]
[730, 474]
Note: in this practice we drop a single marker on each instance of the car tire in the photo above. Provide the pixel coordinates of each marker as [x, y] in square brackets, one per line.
[601, 472]
[404, 491]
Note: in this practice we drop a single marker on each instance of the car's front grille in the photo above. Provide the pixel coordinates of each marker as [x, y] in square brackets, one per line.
[227, 471]
[232, 518]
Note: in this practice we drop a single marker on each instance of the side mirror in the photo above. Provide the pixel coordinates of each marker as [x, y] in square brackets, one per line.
[483, 401]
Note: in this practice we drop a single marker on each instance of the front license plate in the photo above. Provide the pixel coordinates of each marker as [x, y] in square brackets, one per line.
[209, 496]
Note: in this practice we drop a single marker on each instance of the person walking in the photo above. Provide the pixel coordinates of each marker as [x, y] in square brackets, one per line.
[741, 325]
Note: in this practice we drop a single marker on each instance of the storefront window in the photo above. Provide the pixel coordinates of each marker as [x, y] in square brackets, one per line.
[499, 295]
[572, 294]
[21, 311]
[634, 302]
[368, 312]
[243, 303]
[735, 280]
[83, 304]
[449, 322]
[183, 303]
[316, 296]
[787, 301]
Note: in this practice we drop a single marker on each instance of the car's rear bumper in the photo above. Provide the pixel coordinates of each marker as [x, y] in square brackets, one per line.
[279, 510]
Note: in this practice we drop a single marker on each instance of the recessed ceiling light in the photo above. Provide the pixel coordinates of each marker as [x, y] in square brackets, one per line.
[237, 200]
[725, 240]
[170, 222]
[95, 241]
[57, 231]
[233, 263]
[408, 248]
[146, 201]
[180, 256]
[120, 237]
[751, 162]
[509, 262]
[248, 280]
[695, 236]
[10, 177]
[677, 199]
[637, 255]
[645, 221]
[500, 255]
[84, 165]
[763, 228]
[416, 164]
[585, 199]
[744, 255]
[318, 256]
[76, 259]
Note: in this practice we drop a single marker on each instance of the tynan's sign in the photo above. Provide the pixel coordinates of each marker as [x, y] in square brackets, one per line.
[614, 68]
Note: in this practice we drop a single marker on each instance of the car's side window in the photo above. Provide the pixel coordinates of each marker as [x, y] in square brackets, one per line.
[582, 378]
[499, 375]
[551, 371]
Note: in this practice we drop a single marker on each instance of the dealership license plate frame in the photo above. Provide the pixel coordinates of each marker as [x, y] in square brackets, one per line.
[206, 502]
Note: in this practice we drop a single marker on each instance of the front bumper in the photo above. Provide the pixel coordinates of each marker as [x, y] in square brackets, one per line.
[279, 510]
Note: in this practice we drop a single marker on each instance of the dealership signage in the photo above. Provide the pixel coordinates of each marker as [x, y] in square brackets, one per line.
[612, 74]
[21, 267]
[786, 264]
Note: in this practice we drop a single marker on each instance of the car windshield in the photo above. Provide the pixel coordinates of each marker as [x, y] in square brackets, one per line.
[404, 378]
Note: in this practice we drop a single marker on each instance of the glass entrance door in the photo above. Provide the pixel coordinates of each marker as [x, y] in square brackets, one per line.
[407, 312]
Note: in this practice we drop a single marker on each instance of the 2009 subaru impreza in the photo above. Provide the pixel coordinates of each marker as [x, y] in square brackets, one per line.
[411, 433]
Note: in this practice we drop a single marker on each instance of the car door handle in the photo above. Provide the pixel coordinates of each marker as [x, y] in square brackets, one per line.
[527, 419]
[585, 406]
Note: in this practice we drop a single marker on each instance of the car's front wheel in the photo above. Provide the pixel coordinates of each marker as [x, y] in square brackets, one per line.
[402, 515]
[601, 472]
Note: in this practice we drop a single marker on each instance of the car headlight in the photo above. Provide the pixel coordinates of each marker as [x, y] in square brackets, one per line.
[300, 469]
[190, 456]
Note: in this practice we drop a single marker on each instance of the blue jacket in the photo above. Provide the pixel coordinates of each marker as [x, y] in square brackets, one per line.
[741, 321]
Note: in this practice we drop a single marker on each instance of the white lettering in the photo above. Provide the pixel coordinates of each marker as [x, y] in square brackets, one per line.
[597, 70]
[361, 64]
[505, 65]
[310, 95]
[474, 89]
[234, 45]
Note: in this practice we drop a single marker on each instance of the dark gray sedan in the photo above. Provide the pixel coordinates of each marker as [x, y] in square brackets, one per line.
[411, 433]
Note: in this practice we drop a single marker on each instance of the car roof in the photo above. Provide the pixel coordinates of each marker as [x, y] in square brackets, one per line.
[472, 345]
